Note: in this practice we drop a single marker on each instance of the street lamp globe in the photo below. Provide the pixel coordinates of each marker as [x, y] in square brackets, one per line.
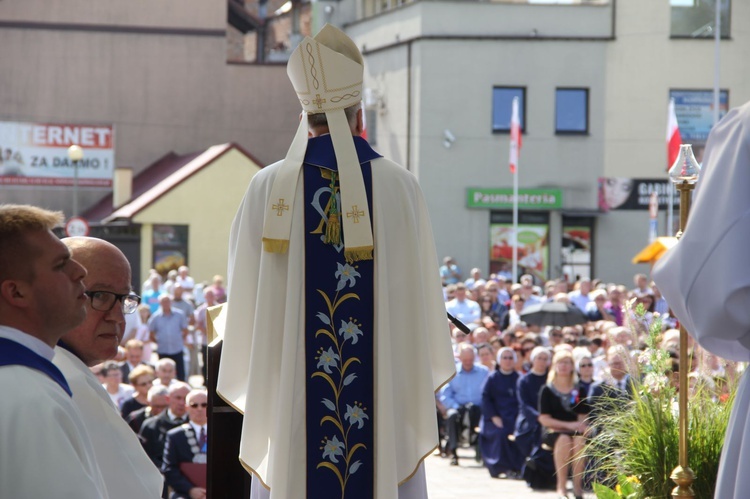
[75, 153]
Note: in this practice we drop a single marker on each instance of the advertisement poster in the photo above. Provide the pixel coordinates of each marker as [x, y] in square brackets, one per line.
[170, 247]
[36, 154]
[576, 252]
[621, 193]
[695, 115]
[533, 249]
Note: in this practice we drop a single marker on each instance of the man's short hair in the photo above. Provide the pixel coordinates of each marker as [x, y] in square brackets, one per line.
[133, 343]
[165, 362]
[156, 391]
[16, 254]
[178, 385]
[109, 366]
[319, 119]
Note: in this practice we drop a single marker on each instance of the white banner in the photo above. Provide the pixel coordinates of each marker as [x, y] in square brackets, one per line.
[37, 154]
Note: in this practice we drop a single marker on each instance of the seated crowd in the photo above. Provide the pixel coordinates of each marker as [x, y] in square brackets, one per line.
[163, 345]
[526, 394]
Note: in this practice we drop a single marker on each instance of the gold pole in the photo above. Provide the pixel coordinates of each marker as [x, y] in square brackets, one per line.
[682, 475]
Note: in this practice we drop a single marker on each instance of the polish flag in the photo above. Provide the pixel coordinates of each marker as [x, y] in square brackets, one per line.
[673, 136]
[364, 122]
[515, 136]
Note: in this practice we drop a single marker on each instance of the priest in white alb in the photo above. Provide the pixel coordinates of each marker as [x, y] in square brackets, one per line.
[705, 278]
[126, 468]
[336, 336]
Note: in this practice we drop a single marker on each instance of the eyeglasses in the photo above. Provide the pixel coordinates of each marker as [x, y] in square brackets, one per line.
[506, 358]
[145, 383]
[104, 301]
[196, 405]
[587, 365]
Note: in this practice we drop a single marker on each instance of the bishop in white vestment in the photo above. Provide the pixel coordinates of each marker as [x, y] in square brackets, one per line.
[706, 278]
[336, 337]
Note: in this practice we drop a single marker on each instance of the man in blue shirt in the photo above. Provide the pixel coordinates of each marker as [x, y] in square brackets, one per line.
[169, 327]
[462, 399]
[463, 308]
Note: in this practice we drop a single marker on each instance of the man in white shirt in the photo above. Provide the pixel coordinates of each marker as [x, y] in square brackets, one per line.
[462, 308]
[580, 297]
[46, 450]
[118, 451]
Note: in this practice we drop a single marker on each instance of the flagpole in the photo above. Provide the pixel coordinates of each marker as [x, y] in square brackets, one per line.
[515, 150]
[717, 60]
[515, 226]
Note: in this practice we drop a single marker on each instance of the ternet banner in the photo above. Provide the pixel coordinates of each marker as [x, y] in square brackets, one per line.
[36, 154]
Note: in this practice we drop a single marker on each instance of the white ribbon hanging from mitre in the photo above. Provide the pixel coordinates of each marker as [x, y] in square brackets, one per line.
[326, 72]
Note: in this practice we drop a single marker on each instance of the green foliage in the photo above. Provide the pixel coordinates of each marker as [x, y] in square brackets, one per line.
[641, 439]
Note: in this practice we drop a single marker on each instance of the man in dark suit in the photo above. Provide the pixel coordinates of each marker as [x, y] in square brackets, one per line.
[158, 401]
[154, 430]
[187, 444]
[616, 389]
[133, 357]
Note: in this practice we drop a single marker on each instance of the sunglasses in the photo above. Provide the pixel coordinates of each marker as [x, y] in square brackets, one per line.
[202, 404]
[587, 365]
[506, 358]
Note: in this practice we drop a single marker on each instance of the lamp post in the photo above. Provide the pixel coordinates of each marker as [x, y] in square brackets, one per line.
[75, 154]
[684, 174]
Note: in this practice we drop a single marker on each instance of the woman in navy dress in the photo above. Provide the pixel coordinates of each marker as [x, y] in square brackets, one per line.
[499, 412]
[528, 430]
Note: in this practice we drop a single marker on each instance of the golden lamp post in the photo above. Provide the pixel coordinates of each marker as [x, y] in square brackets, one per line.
[684, 174]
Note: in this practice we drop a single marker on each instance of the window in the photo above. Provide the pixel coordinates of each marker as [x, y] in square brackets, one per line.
[502, 105]
[170, 246]
[576, 247]
[697, 18]
[532, 239]
[572, 111]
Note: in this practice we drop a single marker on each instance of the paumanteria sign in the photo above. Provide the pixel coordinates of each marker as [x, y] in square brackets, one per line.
[502, 198]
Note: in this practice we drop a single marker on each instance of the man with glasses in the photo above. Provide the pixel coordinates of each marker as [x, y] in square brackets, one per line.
[46, 450]
[188, 443]
[126, 468]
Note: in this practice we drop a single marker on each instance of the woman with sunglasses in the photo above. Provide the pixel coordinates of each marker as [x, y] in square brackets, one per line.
[499, 413]
[585, 365]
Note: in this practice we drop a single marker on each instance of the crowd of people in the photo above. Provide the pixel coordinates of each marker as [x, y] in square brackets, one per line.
[525, 393]
[164, 344]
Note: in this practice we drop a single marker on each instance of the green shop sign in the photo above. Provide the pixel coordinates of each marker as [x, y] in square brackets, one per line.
[536, 199]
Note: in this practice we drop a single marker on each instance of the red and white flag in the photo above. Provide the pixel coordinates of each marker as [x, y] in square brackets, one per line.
[515, 136]
[673, 136]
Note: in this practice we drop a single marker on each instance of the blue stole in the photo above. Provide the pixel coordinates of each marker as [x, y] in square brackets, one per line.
[339, 343]
[15, 354]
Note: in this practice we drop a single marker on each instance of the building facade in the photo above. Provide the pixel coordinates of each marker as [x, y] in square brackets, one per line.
[594, 80]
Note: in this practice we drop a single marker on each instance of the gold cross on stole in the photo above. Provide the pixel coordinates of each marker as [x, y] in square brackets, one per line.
[280, 208]
[355, 214]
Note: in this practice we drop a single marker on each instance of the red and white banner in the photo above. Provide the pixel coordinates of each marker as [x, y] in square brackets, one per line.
[37, 154]
[515, 136]
[673, 136]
